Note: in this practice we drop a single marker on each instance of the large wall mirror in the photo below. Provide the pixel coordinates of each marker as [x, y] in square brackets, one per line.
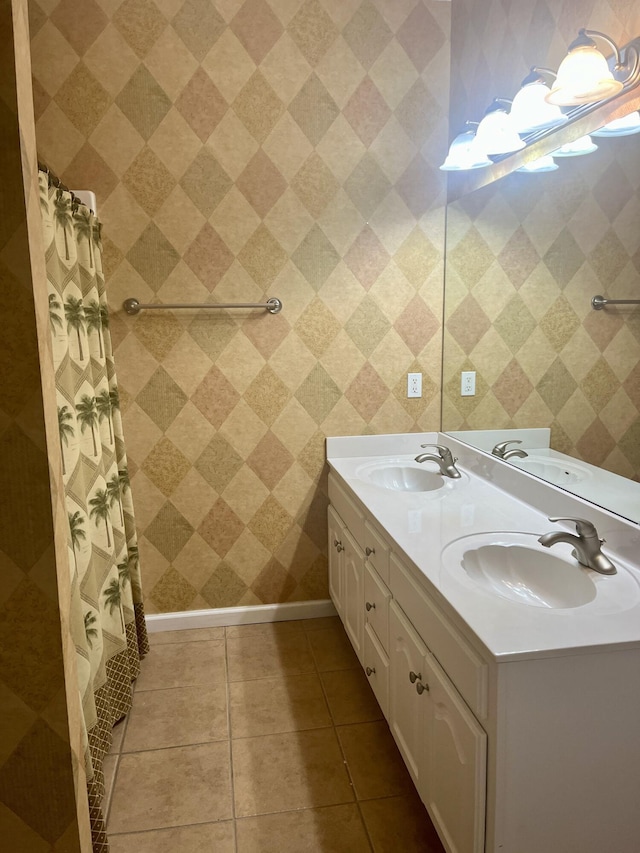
[524, 258]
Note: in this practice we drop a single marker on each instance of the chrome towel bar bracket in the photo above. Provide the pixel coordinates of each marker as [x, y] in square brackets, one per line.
[599, 302]
[133, 306]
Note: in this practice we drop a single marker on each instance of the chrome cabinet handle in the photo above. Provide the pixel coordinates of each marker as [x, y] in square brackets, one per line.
[420, 687]
[369, 551]
[370, 606]
[338, 545]
[370, 670]
[413, 677]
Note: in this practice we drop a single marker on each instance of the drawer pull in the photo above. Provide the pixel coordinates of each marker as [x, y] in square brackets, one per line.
[420, 687]
[338, 545]
[413, 677]
[369, 551]
[370, 606]
[370, 670]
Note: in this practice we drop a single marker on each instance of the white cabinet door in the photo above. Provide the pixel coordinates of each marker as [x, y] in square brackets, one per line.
[453, 784]
[407, 654]
[336, 549]
[353, 592]
[376, 667]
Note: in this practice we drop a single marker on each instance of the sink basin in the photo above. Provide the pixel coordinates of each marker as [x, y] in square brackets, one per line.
[555, 471]
[403, 478]
[516, 567]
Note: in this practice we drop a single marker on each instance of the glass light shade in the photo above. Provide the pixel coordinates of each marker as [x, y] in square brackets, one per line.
[542, 164]
[530, 111]
[625, 126]
[465, 154]
[584, 145]
[583, 78]
[497, 135]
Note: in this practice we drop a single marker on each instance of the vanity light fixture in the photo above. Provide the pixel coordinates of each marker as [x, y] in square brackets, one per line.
[625, 126]
[590, 89]
[577, 148]
[464, 153]
[584, 76]
[496, 133]
[530, 111]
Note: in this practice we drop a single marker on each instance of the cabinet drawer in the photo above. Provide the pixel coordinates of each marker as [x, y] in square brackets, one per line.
[376, 604]
[460, 661]
[348, 511]
[376, 667]
[376, 550]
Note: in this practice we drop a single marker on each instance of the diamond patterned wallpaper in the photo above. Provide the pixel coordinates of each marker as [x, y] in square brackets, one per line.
[242, 149]
[525, 257]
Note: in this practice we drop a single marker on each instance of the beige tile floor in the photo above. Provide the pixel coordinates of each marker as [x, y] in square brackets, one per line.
[259, 739]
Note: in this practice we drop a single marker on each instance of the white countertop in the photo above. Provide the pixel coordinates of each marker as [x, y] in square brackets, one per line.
[495, 497]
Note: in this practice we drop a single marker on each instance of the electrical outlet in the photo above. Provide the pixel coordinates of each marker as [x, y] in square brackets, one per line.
[414, 385]
[468, 383]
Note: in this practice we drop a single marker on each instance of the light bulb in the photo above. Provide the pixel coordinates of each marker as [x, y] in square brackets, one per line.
[577, 148]
[542, 164]
[625, 126]
[584, 76]
[497, 135]
[465, 154]
[530, 111]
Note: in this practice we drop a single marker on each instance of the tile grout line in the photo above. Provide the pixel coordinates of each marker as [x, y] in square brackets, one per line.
[107, 814]
[346, 765]
[118, 756]
[230, 741]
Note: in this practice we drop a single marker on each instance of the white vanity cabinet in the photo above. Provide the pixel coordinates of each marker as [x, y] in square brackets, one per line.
[519, 725]
[443, 745]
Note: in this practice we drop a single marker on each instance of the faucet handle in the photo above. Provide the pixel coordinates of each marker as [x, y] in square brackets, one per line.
[442, 450]
[500, 448]
[583, 526]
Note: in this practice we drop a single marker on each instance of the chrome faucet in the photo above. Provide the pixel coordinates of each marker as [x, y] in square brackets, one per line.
[586, 545]
[444, 460]
[500, 450]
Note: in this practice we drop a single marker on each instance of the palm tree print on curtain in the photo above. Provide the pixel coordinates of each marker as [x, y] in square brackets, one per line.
[65, 429]
[55, 319]
[74, 312]
[95, 318]
[103, 407]
[76, 533]
[113, 490]
[107, 622]
[101, 510]
[87, 413]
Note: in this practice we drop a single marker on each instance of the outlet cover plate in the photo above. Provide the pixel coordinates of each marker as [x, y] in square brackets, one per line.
[468, 383]
[414, 385]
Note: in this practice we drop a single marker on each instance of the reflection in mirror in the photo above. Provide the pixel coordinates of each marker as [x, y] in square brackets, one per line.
[524, 258]
[529, 450]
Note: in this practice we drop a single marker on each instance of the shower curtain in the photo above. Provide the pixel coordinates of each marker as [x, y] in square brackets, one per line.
[107, 616]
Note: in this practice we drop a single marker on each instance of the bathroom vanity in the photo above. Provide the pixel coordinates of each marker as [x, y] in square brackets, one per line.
[508, 674]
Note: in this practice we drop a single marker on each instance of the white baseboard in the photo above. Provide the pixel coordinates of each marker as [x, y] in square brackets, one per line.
[239, 615]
